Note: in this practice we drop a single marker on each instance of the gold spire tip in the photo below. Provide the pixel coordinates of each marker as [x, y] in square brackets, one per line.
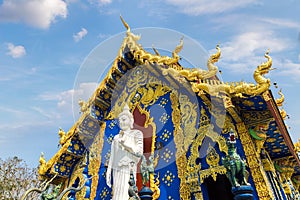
[125, 23]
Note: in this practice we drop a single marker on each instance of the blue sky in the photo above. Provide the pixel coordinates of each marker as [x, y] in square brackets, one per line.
[43, 43]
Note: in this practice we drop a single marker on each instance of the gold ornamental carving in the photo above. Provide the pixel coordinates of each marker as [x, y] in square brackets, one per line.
[188, 119]
[215, 87]
[230, 108]
[199, 74]
[258, 174]
[181, 160]
[268, 164]
[78, 174]
[228, 125]
[145, 89]
[279, 101]
[95, 160]
[141, 55]
[206, 129]
[253, 118]
[212, 159]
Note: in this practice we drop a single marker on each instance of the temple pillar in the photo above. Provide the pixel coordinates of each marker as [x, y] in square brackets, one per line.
[260, 180]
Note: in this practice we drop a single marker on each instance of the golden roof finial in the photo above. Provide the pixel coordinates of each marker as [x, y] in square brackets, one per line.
[62, 136]
[283, 114]
[265, 67]
[83, 105]
[42, 159]
[155, 51]
[262, 83]
[280, 100]
[178, 49]
[125, 23]
[215, 57]
[43, 164]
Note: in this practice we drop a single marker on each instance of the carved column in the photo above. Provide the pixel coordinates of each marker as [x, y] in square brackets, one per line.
[260, 180]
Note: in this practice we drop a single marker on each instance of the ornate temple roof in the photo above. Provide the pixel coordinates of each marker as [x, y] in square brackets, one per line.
[255, 102]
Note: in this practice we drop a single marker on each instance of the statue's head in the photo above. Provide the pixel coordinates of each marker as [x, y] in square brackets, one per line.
[126, 119]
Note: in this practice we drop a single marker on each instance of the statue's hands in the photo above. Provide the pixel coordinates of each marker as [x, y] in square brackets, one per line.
[125, 146]
[108, 177]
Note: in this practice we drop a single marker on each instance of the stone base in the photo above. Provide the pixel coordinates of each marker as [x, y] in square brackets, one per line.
[244, 192]
[146, 193]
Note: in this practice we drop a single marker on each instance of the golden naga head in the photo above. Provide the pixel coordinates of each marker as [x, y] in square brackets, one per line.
[177, 49]
[215, 57]
[266, 66]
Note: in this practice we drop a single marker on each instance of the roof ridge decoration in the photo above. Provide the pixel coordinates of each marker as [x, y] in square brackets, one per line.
[280, 100]
[143, 56]
[214, 87]
[196, 74]
[201, 84]
[279, 103]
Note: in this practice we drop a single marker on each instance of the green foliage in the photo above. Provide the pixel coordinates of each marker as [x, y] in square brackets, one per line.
[15, 178]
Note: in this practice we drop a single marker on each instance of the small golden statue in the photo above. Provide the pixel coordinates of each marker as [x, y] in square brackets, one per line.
[42, 161]
[83, 106]
[62, 136]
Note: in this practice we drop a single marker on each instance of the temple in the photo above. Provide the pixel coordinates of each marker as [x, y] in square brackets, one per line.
[193, 124]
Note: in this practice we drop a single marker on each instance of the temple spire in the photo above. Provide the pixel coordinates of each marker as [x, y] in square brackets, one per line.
[125, 23]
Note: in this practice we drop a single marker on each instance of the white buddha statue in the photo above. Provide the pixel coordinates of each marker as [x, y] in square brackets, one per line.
[126, 151]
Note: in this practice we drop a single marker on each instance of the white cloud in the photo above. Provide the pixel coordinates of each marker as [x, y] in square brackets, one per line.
[290, 69]
[244, 52]
[281, 22]
[100, 2]
[196, 7]
[46, 114]
[20, 118]
[72, 1]
[13, 111]
[37, 13]
[103, 2]
[16, 51]
[103, 36]
[247, 44]
[67, 101]
[81, 34]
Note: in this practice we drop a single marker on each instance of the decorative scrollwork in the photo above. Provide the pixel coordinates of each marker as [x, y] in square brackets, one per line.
[95, 160]
[188, 119]
[181, 160]
[260, 180]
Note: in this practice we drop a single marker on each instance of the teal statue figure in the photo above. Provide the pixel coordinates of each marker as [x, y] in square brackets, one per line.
[53, 195]
[236, 168]
[146, 169]
[133, 190]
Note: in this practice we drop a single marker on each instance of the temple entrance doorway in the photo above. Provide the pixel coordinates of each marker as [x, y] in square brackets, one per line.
[219, 189]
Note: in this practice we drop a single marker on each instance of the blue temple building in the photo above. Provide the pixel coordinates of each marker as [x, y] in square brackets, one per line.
[186, 116]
